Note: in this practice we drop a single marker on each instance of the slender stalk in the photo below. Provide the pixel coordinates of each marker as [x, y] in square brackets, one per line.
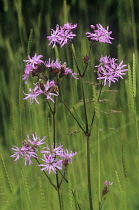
[85, 111]
[54, 123]
[71, 114]
[54, 142]
[99, 167]
[58, 191]
[89, 174]
[93, 117]
[91, 45]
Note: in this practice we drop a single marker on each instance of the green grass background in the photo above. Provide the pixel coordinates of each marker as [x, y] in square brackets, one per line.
[115, 148]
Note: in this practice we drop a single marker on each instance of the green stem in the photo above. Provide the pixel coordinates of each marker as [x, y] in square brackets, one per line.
[99, 167]
[54, 142]
[91, 45]
[58, 191]
[85, 111]
[71, 114]
[89, 174]
[93, 117]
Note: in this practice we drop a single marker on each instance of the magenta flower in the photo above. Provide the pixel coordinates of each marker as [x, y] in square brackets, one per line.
[100, 34]
[59, 153]
[34, 61]
[105, 189]
[109, 70]
[69, 26]
[35, 141]
[51, 164]
[54, 38]
[53, 150]
[57, 68]
[41, 88]
[25, 152]
[61, 35]
[65, 35]
[67, 157]
[27, 71]
[28, 149]
[106, 183]
[32, 66]
[34, 93]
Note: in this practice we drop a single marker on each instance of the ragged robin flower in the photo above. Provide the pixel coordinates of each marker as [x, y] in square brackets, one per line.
[109, 70]
[28, 149]
[33, 66]
[62, 35]
[100, 34]
[46, 89]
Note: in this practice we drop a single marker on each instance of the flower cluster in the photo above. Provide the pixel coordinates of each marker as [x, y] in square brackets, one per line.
[59, 69]
[109, 70]
[47, 89]
[62, 35]
[33, 66]
[55, 158]
[44, 86]
[28, 149]
[100, 34]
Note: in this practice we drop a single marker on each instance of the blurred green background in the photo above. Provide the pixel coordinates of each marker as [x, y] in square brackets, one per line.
[23, 187]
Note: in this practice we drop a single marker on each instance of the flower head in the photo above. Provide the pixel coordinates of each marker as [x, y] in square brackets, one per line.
[100, 34]
[28, 149]
[51, 164]
[106, 183]
[105, 189]
[59, 69]
[25, 152]
[109, 70]
[35, 60]
[67, 156]
[32, 66]
[47, 89]
[35, 141]
[61, 35]
[54, 151]
[56, 156]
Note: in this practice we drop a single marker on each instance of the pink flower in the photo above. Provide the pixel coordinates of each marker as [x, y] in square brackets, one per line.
[35, 60]
[34, 93]
[51, 164]
[27, 71]
[35, 141]
[54, 151]
[25, 152]
[106, 183]
[41, 88]
[28, 149]
[109, 70]
[61, 35]
[67, 156]
[32, 66]
[100, 34]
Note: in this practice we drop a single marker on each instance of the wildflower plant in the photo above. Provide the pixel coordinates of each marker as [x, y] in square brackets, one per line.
[49, 74]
